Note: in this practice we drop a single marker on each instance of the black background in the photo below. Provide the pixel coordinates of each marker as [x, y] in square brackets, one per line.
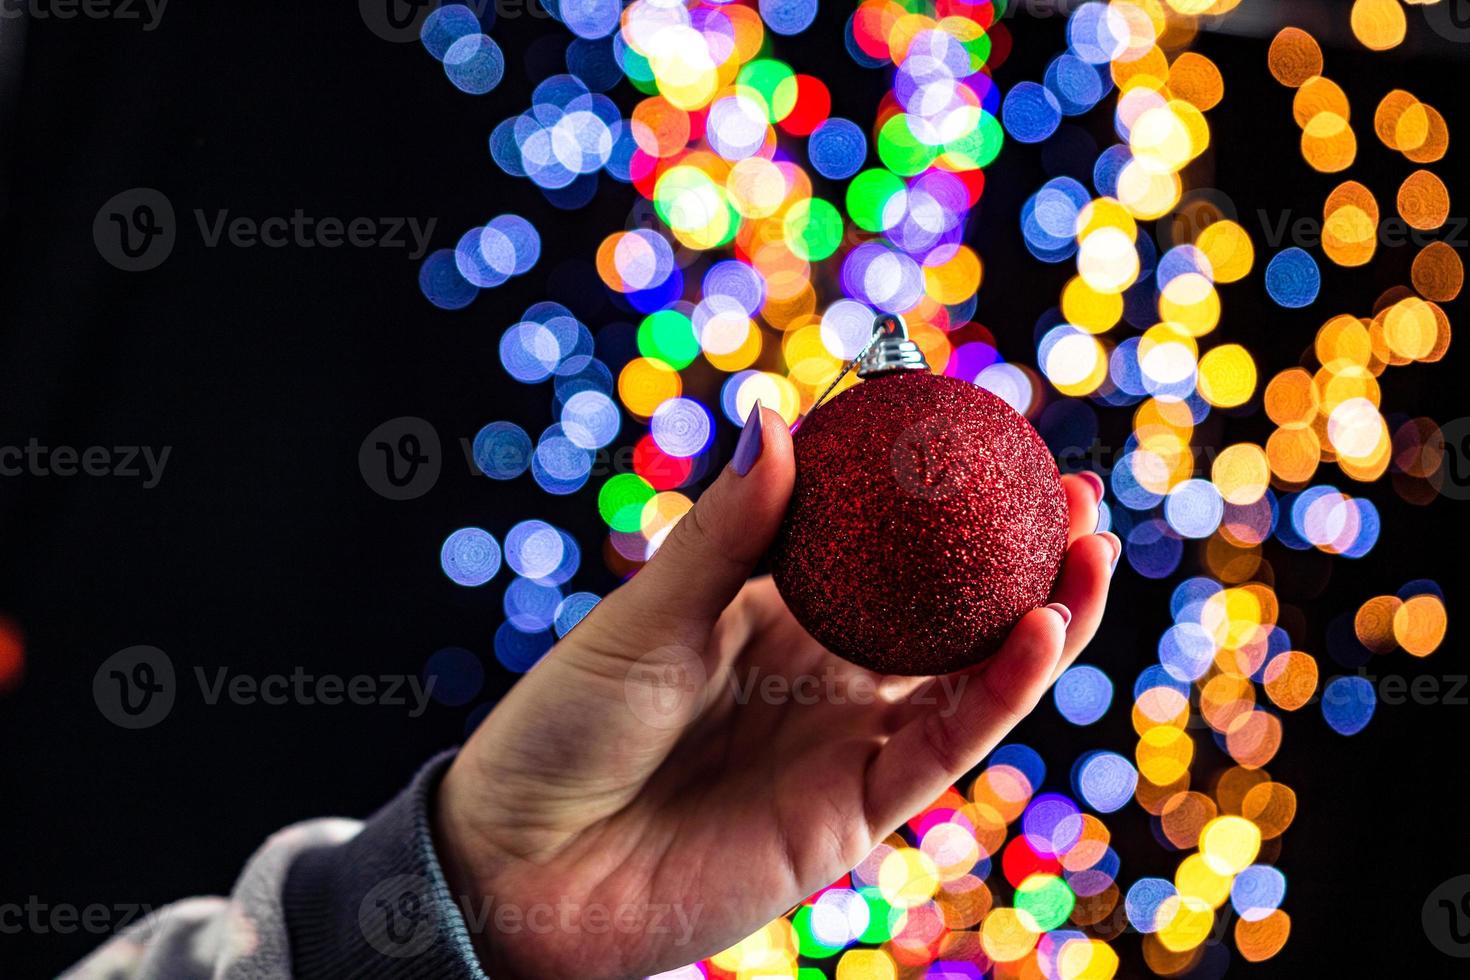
[262, 548]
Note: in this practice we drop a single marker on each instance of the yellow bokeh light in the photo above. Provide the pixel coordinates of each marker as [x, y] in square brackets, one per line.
[1390, 110]
[1328, 143]
[1190, 921]
[1087, 959]
[866, 964]
[1319, 95]
[1229, 249]
[1230, 844]
[1419, 624]
[1410, 328]
[742, 356]
[771, 948]
[1343, 338]
[1089, 309]
[1191, 303]
[1379, 24]
[1146, 193]
[756, 187]
[955, 279]
[1242, 473]
[1106, 212]
[1227, 376]
[773, 392]
[1005, 937]
[645, 383]
[1164, 754]
[907, 878]
[1195, 878]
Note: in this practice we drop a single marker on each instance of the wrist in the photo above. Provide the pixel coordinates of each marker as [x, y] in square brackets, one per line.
[472, 864]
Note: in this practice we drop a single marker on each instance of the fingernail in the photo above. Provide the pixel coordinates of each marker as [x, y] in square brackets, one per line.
[748, 449]
[1061, 611]
[1096, 481]
[1116, 544]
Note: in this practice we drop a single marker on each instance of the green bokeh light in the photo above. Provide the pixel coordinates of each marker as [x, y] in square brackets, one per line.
[808, 943]
[621, 500]
[813, 229]
[883, 919]
[1047, 899]
[764, 76]
[979, 147]
[900, 150]
[868, 196]
[669, 336]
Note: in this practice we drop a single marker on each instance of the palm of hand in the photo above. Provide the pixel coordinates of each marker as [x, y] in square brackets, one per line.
[638, 809]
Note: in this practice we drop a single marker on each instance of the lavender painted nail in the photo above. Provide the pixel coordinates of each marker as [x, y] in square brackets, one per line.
[752, 441]
[1096, 482]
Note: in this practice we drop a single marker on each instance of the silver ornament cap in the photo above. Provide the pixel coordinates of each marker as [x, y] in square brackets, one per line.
[891, 349]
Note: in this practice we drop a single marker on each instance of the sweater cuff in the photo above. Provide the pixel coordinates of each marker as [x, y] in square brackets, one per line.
[378, 905]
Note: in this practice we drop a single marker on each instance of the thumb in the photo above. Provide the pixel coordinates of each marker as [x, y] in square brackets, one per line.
[710, 553]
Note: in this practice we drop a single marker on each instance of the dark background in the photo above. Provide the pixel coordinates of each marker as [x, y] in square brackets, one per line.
[262, 547]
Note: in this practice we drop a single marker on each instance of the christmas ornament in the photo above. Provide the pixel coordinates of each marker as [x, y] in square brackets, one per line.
[928, 517]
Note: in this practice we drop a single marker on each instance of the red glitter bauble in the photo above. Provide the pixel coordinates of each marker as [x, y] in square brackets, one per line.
[928, 517]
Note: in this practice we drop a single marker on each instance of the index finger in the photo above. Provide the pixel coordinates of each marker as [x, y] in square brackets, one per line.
[1084, 494]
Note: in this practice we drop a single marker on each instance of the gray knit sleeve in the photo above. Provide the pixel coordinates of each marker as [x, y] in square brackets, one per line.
[321, 899]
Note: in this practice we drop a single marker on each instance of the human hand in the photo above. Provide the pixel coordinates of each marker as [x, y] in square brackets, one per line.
[632, 790]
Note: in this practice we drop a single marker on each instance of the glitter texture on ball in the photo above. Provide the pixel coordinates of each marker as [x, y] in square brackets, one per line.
[928, 518]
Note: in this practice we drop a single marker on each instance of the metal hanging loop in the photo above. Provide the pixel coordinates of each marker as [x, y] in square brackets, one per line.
[892, 351]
